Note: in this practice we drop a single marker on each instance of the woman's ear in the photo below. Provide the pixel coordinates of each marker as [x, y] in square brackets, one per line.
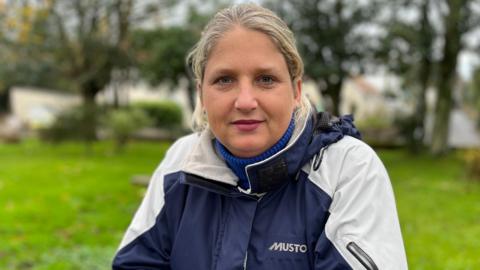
[298, 91]
[199, 93]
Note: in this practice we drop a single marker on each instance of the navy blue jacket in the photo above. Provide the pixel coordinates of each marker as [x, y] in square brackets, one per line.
[323, 202]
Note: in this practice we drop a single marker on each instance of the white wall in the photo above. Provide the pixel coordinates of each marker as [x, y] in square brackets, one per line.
[38, 107]
[141, 91]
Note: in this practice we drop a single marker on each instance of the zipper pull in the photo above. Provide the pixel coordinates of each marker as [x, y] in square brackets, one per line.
[361, 256]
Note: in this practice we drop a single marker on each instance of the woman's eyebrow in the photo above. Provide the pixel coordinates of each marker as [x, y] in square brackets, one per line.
[266, 69]
[222, 70]
[227, 70]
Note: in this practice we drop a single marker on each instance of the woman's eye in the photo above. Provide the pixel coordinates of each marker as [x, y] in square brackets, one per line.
[224, 80]
[266, 79]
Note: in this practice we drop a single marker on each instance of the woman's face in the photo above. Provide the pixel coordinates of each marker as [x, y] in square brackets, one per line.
[247, 92]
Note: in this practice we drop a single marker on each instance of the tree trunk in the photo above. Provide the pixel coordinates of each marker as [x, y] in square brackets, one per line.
[5, 100]
[439, 144]
[418, 132]
[446, 81]
[333, 92]
[89, 111]
[426, 41]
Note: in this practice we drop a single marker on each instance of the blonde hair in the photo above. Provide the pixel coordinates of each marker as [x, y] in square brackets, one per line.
[253, 17]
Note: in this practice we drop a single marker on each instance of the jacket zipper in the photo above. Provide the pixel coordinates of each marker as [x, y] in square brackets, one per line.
[361, 256]
[258, 199]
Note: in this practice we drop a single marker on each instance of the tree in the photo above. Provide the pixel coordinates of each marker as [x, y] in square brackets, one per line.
[161, 52]
[83, 40]
[161, 56]
[408, 51]
[79, 42]
[22, 47]
[330, 38]
[473, 94]
[425, 51]
[69, 45]
[93, 40]
[458, 18]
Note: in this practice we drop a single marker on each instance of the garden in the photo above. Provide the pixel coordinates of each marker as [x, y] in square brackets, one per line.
[67, 195]
[66, 207]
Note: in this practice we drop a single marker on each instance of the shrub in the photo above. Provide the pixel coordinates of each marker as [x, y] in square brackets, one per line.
[77, 123]
[122, 123]
[378, 131]
[165, 114]
[471, 158]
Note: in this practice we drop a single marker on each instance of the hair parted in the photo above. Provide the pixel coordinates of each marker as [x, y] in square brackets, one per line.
[253, 17]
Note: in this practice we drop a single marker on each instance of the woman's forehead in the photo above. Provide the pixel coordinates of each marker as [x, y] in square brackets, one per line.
[242, 47]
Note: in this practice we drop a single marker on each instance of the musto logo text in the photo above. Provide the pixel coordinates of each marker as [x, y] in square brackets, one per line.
[288, 247]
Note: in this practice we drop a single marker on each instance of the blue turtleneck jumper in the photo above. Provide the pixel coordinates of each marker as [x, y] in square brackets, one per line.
[238, 164]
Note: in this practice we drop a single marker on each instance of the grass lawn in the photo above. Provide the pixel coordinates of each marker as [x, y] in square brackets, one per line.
[439, 210]
[63, 209]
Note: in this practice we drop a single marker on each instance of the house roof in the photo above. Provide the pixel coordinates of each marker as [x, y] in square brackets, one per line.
[364, 86]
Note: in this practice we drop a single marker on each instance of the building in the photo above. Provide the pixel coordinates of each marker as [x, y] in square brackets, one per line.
[369, 97]
[38, 107]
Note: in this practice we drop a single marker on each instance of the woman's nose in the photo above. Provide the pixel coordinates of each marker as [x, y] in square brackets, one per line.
[246, 100]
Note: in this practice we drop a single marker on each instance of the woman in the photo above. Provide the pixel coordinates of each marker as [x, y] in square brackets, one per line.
[265, 183]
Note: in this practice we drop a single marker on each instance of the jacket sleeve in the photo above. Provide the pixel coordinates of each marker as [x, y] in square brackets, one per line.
[146, 244]
[363, 224]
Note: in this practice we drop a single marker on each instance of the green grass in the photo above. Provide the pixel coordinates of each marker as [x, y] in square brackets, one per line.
[439, 210]
[61, 208]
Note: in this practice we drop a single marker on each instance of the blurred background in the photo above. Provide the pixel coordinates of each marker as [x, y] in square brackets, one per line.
[93, 92]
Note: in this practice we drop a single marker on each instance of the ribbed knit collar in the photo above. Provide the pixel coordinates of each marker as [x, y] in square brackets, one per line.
[238, 164]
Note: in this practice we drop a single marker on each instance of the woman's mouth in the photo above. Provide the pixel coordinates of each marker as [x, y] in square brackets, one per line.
[247, 125]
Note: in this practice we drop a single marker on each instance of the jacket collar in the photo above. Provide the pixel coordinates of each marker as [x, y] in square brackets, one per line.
[310, 135]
